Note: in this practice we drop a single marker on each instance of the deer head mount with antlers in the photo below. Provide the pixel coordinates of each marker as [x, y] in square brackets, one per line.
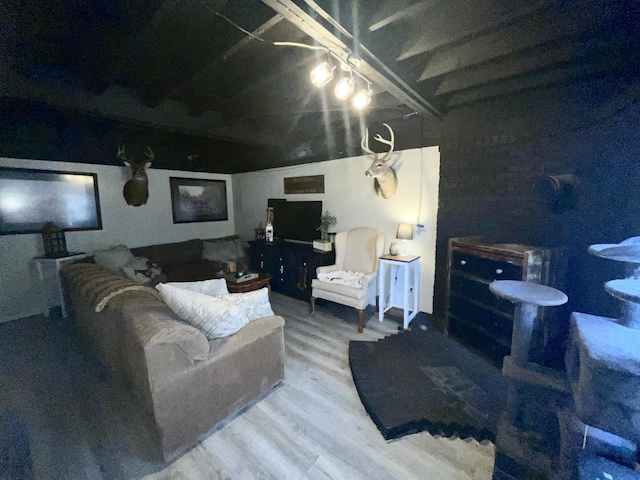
[136, 190]
[385, 180]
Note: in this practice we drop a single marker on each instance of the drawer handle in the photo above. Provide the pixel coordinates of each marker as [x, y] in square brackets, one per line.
[463, 262]
[281, 269]
[499, 271]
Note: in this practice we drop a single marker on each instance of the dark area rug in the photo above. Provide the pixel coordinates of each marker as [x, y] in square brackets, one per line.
[421, 380]
[15, 455]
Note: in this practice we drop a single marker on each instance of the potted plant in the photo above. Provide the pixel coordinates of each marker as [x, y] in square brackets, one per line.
[327, 220]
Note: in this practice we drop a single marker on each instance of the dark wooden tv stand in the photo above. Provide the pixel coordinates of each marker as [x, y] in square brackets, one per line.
[292, 266]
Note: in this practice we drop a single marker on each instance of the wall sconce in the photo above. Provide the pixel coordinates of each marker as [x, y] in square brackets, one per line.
[322, 74]
[405, 232]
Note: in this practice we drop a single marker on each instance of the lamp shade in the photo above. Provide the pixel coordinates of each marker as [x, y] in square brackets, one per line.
[405, 231]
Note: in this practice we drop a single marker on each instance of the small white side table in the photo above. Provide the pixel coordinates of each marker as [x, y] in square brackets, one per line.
[49, 270]
[406, 262]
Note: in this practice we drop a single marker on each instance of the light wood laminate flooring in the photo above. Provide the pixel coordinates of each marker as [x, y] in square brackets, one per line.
[312, 426]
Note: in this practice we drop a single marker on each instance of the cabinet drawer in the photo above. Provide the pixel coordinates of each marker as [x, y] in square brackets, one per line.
[495, 324]
[476, 339]
[480, 292]
[485, 268]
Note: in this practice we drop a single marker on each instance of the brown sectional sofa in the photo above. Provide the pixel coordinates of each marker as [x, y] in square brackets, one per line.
[183, 262]
[183, 384]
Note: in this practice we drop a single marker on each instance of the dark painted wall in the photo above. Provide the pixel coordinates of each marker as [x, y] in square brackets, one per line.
[494, 153]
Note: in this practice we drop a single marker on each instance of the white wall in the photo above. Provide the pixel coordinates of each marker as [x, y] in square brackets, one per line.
[350, 196]
[20, 288]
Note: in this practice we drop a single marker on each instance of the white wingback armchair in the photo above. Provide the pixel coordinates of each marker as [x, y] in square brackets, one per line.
[357, 250]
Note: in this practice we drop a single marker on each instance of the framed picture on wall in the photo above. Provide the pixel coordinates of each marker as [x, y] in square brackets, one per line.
[29, 199]
[198, 200]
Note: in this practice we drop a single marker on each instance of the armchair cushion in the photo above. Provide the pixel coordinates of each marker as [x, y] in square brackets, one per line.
[357, 293]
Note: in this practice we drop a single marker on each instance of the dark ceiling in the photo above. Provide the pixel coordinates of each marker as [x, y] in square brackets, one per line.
[171, 72]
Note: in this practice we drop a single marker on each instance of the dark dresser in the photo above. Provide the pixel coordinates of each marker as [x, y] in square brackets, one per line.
[292, 265]
[484, 322]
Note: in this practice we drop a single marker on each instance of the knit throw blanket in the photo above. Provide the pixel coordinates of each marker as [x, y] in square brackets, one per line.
[352, 279]
[99, 285]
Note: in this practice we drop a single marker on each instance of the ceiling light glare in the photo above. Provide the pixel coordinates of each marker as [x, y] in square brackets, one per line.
[361, 99]
[321, 74]
[345, 88]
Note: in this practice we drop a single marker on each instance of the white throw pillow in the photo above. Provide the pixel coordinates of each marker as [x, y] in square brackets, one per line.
[214, 316]
[216, 286]
[255, 304]
[113, 258]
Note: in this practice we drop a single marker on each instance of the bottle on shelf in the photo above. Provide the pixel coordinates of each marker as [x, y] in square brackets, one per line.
[269, 227]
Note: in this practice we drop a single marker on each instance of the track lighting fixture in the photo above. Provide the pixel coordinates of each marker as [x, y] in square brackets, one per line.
[322, 74]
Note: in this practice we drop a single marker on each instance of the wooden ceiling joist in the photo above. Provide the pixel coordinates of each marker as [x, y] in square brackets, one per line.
[453, 23]
[529, 33]
[387, 80]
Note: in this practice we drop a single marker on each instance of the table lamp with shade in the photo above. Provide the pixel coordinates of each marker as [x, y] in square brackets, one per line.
[405, 232]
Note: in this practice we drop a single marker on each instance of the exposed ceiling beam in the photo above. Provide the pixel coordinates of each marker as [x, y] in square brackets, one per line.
[528, 82]
[403, 13]
[215, 64]
[552, 54]
[449, 25]
[388, 81]
[531, 32]
[505, 68]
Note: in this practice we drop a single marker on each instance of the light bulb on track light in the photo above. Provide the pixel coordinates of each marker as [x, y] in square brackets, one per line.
[321, 74]
[361, 99]
[345, 88]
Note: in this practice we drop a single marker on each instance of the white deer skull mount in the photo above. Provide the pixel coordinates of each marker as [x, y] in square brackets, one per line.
[385, 180]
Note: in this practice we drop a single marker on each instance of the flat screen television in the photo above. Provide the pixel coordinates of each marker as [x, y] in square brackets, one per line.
[297, 221]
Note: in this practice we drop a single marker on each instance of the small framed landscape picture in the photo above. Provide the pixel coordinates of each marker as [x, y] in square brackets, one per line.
[198, 200]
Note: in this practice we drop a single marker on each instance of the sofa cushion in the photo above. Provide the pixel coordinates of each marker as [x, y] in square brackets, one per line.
[172, 253]
[216, 286]
[255, 304]
[113, 258]
[214, 316]
[193, 271]
[220, 251]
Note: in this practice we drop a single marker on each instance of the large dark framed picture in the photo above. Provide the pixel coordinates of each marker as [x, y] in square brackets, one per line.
[29, 199]
[198, 200]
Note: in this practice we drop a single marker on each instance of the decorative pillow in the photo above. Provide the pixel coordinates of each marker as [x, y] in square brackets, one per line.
[220, 251]
[141, 270]
[214, 316]
[217, 286]
[113, 258]
[255, 304]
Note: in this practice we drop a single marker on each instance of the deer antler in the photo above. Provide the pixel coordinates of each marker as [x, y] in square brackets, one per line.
[120, 154]
[365, 142]
[149, 154]
[389, 142]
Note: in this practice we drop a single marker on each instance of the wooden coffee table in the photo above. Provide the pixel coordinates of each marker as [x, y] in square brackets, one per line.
[250, 285]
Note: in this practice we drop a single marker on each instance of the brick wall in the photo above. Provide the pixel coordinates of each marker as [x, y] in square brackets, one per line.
[494, 153]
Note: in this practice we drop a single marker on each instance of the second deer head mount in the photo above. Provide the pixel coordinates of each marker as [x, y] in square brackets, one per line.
[385, 180]
[136, 190]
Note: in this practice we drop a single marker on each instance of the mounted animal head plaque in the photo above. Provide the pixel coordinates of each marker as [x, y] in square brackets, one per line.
[136, 190]
[385, 180]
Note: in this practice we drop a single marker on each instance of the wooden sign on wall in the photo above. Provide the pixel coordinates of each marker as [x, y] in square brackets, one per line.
[308, 184]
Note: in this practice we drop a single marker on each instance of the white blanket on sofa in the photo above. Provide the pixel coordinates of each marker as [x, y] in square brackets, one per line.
[352, 279]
